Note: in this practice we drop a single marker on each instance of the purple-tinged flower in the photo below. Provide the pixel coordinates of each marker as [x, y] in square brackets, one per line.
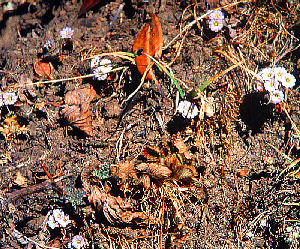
[9, 98]
[98, 74]
[95, 62]
[216, 24]
[105, 65]
[289, 80]
[187, 109]
[66, 32]
[52, 223]
[276, 96]
[279, 73]
[271, 85]
[77, 242]
[217, 14]
[267, 73]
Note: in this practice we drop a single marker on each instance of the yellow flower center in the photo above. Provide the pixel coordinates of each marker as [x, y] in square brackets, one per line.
[78, 241]
[216, 23]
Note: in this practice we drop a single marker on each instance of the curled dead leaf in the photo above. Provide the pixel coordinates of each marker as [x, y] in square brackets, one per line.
[116, 209]
[77, 109]
[96, 196]
[124, 171]
[120, 211]
[184, 173]
[155, 170]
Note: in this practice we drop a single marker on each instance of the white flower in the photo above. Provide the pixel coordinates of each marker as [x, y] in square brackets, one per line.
[266, 73]
[279, 73]
[289, 80]
[98, 74]
[58, 214]
[187, 109]
[64, 221]
[51, 222]
[216, 24]
[77, 242]
[183, 106]
[95, 62]
[61, 218]
[66, 32]
[47, 44]
[271, 85]
[217, 14]
[105, 65]
[293, 233]
[9, 98]
[276, 96]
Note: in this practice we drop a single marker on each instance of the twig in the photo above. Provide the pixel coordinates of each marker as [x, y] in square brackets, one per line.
[292, 122]
[31, 240]
[68, 79]
[30, 190]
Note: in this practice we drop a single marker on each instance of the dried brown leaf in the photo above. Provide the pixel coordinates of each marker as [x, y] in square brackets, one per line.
[180, 145]
[116, 209]
[184, 173]
[120, 211]
[97, 196]
[125, 171]
[155, 170]
[77, 109]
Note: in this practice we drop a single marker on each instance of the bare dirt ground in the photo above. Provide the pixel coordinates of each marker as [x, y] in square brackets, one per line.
[131, 172]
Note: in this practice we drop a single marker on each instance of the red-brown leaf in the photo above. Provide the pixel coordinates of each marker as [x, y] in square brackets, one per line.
[43, 69]
[148, 41]
[87, 5]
